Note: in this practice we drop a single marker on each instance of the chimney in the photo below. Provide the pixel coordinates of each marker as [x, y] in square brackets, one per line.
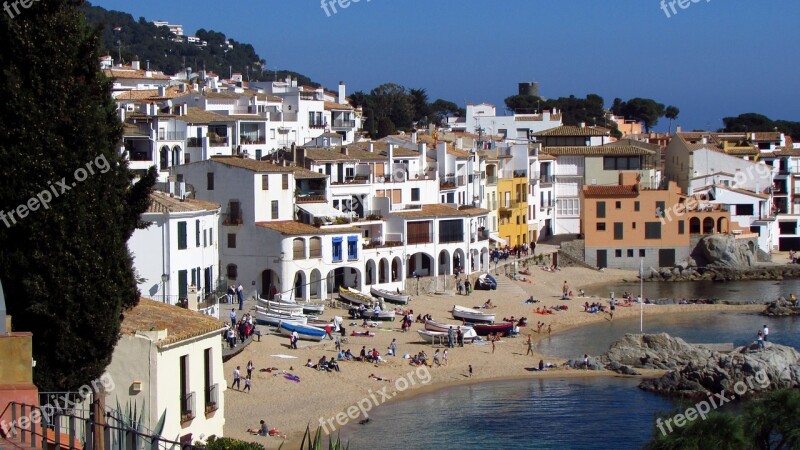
[677, 129]
[460, 143]
[162, 91]
[390, 156]
[582, 125]
[371, 147]
[148, 64]
[414, 137]
[135, 64]
[342, 92]
[121, 114]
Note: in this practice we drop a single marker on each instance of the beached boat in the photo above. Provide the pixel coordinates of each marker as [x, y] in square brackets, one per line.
[438, 337]
[286, 308]
[503, 328]
[431, 325]
[354, 297]
[312, 308]
[400, 298]
[485, 282]
[385, 315]
[265, 317]
[471, 315]
[306, 332]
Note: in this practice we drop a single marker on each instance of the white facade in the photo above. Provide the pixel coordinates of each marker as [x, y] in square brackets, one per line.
[483, 118]
[181, 243]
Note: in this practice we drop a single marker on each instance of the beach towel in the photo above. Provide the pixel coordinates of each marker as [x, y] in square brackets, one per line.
[291, 377]
[284, 356]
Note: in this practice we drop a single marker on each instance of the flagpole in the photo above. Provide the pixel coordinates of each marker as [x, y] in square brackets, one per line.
[641, 295]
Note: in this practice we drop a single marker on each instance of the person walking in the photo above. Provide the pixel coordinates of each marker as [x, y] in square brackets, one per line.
[492, 339]
[237, 378]
[232, 315]
[470, 370]
[393, 347]
[240, 294]
[444, 357]
[530, 346]
[294, 338]
[460, 286]
[250, 368]
[760, 339]
[328, 330]
[766, 332]
[436, 358]
[246, 384]
[338, 343]
[451, 337]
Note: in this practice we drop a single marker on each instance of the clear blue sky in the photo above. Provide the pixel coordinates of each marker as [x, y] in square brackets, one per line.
[714, 59]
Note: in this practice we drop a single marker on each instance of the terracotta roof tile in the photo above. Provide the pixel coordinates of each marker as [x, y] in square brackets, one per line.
[570, 130]
[201, 116]
[324, 154]
[292, 228]
[339, 106]
[610, 191]
[181, 324]
[600, 150]
[128, 72]
[161, 202]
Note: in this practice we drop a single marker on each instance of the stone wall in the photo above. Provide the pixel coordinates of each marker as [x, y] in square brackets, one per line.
[575, 248]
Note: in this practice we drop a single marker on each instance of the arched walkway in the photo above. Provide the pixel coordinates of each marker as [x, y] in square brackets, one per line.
[708, 225]
[270, 284]
[383, 271]
[176, 156]
[694, 225]
[347, 277]
[370, 272]
[163, 158]
[459, 261]
[315, 288]
[444, 263]
[420, 263]
[484, 260]
[722, 225]
[299, 285]
[397, 271]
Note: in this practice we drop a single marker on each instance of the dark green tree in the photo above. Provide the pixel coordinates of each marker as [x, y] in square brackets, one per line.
[644, 110]
[385, 128]
[422, 109]
[671, 113]
[442, 109]
[66, 269]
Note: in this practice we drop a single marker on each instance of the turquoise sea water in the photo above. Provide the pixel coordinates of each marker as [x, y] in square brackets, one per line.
[565, 413]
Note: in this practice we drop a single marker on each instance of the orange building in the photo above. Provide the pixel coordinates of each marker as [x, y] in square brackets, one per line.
[623, 224]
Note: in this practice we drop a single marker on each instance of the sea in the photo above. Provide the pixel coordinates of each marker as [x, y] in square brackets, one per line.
[571, 413]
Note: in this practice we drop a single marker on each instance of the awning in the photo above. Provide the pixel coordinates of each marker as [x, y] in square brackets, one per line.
[496, 238]
[321, 210]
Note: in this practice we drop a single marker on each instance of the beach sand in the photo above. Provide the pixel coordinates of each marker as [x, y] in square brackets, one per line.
[319, 396]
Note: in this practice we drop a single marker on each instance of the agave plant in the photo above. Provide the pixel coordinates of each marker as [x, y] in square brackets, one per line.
[133, 419]
[315, 442]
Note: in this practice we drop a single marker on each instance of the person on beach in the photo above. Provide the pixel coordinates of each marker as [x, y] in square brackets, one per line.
[760, 338]
[262, 430]
[541, 365]
[766, 332]
[250, 368]
[237, 377]
[246, 384]
[436, 358]
[294, 337]
[468, 287]
[530, 346]
[470, 370]
[460, 337]
[232, 315]
[451, 336]
[379, 378]
[444, 357]
[460, 286]
[565, 290]
[492, 338]
[338, 343]
[549, 329]
[328, 330]
[393, 347]
[363, 355]
[586, 361]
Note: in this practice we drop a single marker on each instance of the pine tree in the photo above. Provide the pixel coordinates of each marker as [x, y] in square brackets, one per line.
[66, 269]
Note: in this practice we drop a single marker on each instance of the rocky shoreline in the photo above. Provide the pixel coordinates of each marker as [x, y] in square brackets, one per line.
[688, 273]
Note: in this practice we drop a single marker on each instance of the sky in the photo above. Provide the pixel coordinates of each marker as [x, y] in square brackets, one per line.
[713, 59]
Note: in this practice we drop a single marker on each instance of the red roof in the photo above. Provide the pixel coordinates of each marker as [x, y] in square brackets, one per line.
[610, 191]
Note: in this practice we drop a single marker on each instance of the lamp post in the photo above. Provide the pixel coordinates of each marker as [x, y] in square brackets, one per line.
[164, 279]
[3, 329]
[641, 295]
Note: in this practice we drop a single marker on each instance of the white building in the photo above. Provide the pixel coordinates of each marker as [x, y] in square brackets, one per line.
[169, 361]
[483, 118]
[178, 250]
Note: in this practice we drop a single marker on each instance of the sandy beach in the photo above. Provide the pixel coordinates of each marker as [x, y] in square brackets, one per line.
[319, 396]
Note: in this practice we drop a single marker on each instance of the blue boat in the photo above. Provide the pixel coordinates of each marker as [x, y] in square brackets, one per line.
[486, 282]
[306, 332]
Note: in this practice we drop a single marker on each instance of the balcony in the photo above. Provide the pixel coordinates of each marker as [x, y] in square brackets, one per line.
[513, 204]
[187, 407]
[217, 141]
[491, 180]
[310, 199]
[194, 142]
[244, 140]
[172, 136]
[419, 239]
[547, 205]
[317, 124]
[212, 398]
[339, 123]
[377, 244]
[233, 219]
[520, 174]
[547, 179]
[448, 182]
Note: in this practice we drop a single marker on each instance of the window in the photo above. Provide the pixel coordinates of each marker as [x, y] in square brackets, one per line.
[197, 233]
[601, 210]
[414, 194]
[619, 205]
[264, 182]
[621, 163]
[211, 236]
[274, 210]
[285, 181]
[336, 249]
[210, 181]
[181, 235]
[681, 227]
[209, 388]
[568, 207]
[660, 207]
[642, 253]
[652, 230]
[601, 226]
[205, 238]
[619, 228]
[630, 253]
[232, 270]
[743, 210]
[231, 240]
[635, 206]
[633, 225]
[618, 253]
[352, 248]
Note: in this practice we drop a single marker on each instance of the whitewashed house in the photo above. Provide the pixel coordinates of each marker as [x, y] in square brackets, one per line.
[178, 250]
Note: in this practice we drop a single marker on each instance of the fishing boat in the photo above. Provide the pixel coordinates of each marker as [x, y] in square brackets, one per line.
[400, 298]
[430, 325]
[385, 314]
[354, 297]
[306, 332]
[266, 317]
[471, 315]
[436, 337]
[286, 308]
[502, 328]
[485, 282]
[312, 308]
[294, 306]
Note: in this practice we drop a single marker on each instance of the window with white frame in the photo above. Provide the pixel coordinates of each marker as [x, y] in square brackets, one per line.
[568, 207]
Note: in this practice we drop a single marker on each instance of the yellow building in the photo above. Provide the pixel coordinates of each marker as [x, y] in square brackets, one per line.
[512, 208]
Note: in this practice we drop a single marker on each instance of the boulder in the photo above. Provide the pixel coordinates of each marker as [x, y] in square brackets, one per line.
[782, 307]
[724, 251]
[621, 368]
[654, 351]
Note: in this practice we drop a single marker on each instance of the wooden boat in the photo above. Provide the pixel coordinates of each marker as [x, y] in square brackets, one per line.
[354, 297]
[503, 328]
[265, 317]
[385, 314]
[437, 337]
[430, 325]
[286, 308]
[292, 305]
[305, 332]
[389, 296]
[312, 308]
[471, 315]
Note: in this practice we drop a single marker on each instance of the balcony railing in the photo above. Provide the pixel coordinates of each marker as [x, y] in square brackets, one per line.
[491, 180]
[447, 183]
[339, 123]
[310, 199]
[212, 398]
[317, 124]
[233, 219]
[377, 244]
[172, 136]
[188, 411]
[219, 141]
[520, 174]
[194, 142]
[547, 179]
[250, 141]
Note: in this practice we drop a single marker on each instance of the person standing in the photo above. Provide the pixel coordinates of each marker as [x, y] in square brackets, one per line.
[468, 287]
[760, 339]
[436, 358]
[246, 384]
[250, 368]
[460, 336]
[565, 290]
[451, 335]
[393, 347]
[232, 315]
[231, 337]
[338, 343]
[470, 370]
[295, 337]
[530, 346]
[240, 295]
[460, 286]
[328, 330]
[766, 332]
[586, 361]
[444, 357]
[493, 338]
[237, 378]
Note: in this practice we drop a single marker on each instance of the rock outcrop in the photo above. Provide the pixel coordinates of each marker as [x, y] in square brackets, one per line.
[723, 250]
[696, 371]
[781, 307]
